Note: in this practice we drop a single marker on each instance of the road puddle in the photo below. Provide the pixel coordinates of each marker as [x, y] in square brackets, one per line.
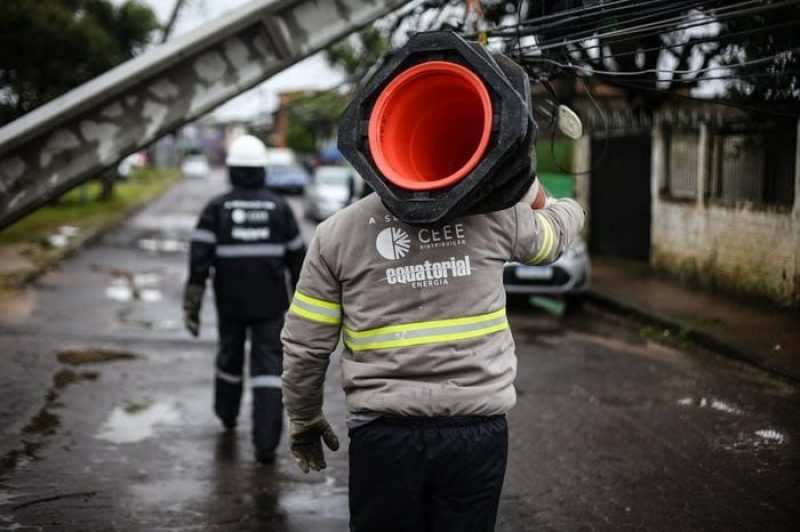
[771, 436]
[714, 404]
[166, 245]
[62, 237]
[127, 286]
[137, 422]
[169, 495]
[164, 223]
[768, 439]
[325, 498]
[120, 290]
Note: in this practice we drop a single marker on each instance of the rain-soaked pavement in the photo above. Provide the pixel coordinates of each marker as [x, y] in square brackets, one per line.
[106, 420]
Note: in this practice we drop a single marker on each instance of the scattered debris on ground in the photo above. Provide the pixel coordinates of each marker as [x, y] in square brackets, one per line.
[79, 357]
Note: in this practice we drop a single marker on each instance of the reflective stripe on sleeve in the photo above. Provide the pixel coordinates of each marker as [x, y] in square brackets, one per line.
[296, 243]
[228, 377]
[547, 241]
[205, 236]
[265, 381]
[251, 250]
[315, 309]
[426, 332]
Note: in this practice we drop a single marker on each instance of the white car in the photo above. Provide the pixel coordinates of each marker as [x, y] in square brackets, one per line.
[568, 277]
[195, 166]
[332, 188]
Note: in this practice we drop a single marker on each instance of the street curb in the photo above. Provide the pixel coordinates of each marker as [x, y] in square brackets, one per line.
[27, 277]
[700, 337]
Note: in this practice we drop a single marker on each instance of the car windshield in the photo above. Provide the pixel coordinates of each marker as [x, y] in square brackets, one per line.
[282, 170]
[332, 176]
[333, 179]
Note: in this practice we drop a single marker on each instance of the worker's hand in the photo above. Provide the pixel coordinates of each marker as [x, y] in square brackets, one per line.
[536, 196]
[305, 441]
[192, 303]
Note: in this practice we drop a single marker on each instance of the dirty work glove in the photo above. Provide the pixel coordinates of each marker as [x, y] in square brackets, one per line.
[192, 302]
[536, 196]
[304, 441]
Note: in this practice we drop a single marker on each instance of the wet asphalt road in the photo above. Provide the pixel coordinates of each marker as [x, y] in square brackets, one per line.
[612, 430]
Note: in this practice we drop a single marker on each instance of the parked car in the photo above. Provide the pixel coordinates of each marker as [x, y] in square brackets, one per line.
[281, 156]
[289, 178]
[332, 188]
[195, 166]
[569, 276]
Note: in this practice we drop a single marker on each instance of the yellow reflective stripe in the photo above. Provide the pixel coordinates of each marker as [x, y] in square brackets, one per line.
[426, 332]
[318, 302]
[315, 309]
[314, 316]
[427, 339]
[547, 242]
[425, 325]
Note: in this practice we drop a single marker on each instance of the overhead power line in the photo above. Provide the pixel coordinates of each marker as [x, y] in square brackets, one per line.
[642, 14]
[573, 16]
[660, 71]
[671, 25]
[627, 84]
[714, 38]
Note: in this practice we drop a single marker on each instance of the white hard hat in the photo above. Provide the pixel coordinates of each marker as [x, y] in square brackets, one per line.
[247, 150]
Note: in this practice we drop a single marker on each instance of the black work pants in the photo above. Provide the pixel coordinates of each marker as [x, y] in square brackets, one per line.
[266, 362]
[427, 474]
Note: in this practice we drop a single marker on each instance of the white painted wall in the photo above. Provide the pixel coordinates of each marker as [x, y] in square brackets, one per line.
[745, 250]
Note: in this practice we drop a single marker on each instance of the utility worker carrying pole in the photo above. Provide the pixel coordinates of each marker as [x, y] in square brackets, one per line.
[249, 238]
[428, 363]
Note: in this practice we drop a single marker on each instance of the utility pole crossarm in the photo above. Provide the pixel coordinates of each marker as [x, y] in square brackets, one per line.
[76, 136]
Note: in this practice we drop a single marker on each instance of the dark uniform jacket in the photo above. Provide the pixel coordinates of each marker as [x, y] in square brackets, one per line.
[247, 240]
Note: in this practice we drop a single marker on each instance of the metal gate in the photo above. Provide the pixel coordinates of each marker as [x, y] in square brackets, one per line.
[620, 197]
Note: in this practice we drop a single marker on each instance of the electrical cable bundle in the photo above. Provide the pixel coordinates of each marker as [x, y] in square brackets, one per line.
[588, 41]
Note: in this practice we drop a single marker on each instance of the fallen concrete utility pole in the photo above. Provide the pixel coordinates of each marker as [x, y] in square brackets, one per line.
[76, 136]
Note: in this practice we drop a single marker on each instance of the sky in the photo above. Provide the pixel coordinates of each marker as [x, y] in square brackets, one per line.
[312, 73]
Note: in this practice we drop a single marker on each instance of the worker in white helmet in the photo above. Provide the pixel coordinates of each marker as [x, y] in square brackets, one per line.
[247, 240]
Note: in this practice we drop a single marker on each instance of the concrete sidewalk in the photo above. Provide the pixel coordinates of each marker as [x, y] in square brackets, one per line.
[766, 337]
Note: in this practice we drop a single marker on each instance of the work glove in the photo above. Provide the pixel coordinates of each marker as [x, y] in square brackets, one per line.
[192, 303]
[305, 444]
[536, 196]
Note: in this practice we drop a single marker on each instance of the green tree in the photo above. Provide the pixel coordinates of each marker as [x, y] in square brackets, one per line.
[313, 119]
[357, 54]
[756, 80]
[48, 47]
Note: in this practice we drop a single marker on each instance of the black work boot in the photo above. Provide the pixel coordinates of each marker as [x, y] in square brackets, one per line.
[265, 457]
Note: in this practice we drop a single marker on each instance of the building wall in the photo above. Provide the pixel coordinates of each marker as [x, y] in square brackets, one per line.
[748, 250]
